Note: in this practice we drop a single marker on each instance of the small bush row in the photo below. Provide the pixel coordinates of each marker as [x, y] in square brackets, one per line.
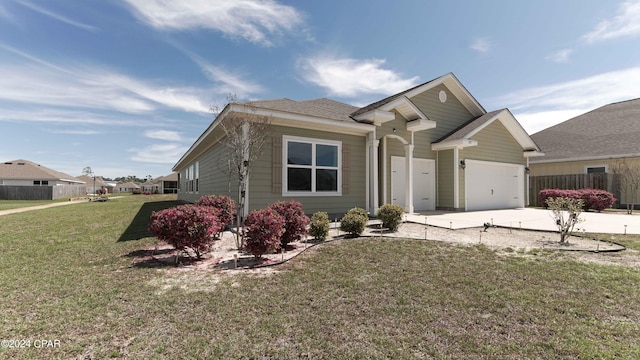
[593, 199]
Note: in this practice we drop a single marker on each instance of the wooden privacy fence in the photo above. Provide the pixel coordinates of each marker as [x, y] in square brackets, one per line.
[17, 192]
[602, 181]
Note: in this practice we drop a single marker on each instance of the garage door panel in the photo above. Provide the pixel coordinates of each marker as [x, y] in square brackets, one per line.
[493, 185]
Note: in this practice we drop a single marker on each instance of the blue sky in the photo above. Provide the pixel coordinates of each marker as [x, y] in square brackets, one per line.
[125, 86]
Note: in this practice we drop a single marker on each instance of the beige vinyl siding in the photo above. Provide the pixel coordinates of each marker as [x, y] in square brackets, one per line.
[214, 176]
[461, 181]
[575, 167]
[448, 115]
[445, 179]
[495, 143]
[260, 182]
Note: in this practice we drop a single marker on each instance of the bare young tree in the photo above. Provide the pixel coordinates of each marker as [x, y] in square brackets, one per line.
[628, 173]
[566, 213]
[245, 136]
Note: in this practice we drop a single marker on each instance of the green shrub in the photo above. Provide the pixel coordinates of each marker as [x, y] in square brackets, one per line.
[359, 211]
[319, 227]
[353, 223]
[391, 216]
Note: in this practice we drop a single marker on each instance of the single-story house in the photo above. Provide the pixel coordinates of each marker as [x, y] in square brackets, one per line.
[592, 143]
[167, 184]
[128, 187]
[96, 183]
[430, 147]
[17, 176]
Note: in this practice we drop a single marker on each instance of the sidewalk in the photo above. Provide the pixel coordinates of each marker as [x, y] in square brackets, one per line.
[30, 208]
[530, 219]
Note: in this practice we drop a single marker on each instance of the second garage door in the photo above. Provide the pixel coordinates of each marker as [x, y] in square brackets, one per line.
[493, 185]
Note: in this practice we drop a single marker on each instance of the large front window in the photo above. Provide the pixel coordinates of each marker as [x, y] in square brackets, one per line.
[312, 166]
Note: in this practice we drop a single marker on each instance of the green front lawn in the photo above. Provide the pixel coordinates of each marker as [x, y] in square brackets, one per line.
[67, 274]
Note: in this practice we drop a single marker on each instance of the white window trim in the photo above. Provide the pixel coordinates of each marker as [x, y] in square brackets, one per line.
[605, 166]
[285, 148]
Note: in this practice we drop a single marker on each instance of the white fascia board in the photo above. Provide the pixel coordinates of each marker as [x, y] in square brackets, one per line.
[513, 127]
[452, 144]
[585, 158]
[316, 123]
[420, 124]
[532, 153]
[376, 116]
[457, 89]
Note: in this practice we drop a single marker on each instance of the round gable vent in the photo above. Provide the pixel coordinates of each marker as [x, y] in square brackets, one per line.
[442, 96]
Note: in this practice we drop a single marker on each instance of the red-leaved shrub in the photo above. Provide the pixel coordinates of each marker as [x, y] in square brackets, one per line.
[296, 221]
[594, 199]
[186, 226]
[224, 204]
[263, 229]
[597, 200]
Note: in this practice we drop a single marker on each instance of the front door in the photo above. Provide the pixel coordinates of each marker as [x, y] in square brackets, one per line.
[424, 184]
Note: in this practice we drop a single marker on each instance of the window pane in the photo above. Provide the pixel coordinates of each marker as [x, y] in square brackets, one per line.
[326, 180]
[596, 170]
[298, 179]
[298, 153]
[326, 155]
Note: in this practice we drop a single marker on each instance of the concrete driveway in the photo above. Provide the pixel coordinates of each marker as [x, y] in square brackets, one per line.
[530, 219]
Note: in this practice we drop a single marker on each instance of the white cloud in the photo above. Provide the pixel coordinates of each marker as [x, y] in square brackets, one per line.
[75, 132]
[253, 20]
[55, 16]
[167, 153]
[4, 13]
[626, 23]
[354, 77]
[82, 86]
[482, 45]
[232, 83]
[163, 135]
[64, 116]
[561, 56]
[547, 105]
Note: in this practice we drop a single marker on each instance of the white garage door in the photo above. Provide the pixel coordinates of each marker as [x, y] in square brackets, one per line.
[424, 183]
[491, 185]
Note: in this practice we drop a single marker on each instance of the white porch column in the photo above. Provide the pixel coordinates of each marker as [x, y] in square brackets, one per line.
[408, 191]
[375, 176]
[372, 173]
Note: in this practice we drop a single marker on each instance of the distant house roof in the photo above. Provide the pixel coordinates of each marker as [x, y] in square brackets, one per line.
[323, 107]
[89, 180]
[170, 177]
[128, 185]
[609, 131]
[27, 170]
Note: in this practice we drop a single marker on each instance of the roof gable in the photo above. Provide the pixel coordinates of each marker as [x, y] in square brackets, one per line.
[26, 170]
[402, 101]
[461, 136]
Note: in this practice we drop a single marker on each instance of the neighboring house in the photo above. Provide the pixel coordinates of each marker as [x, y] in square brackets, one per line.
[167, 184]
[96, 183]
[430, 147]
[591, 143]
[20, 175]
[150, 186]
[128, 187]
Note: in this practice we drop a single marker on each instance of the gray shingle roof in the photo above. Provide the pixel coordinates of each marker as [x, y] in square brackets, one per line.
[324, 108]
[465, 129]
[26, 170]
[610, 130]
[386, 100]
